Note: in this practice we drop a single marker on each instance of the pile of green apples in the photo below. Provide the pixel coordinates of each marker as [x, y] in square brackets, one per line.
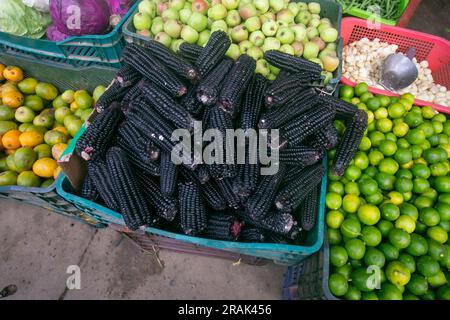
[254, 26]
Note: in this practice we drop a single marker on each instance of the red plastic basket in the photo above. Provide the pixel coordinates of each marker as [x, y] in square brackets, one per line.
[434, 49]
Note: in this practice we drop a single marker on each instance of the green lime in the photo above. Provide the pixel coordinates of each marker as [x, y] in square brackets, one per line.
[434, 140]
[397, 273]
[433, 155]
[444, 198]
[391, 137]
[399, 238]
[443, 139]
[374, 257]
[352, 173]
[437, 280]
[402, 156]
[400, 129]
[385, 226]
[416, 136]
[371, 171]
[409, 296]
[418, 285]
[440, 117]
[365, 97]
[404, 173]
[371, 126]
[338, 256]
[369, 214]
[388, 165]
[353, 293]
[365, 144]
[428, 112]
[406, 223]
[442, 184]
[351, 203]
[334, 219]
[373, 103]
[420, 227]
[430, 193]
[403, 144]
[435, 249]
[420, 170]
[355, 249]
[333, 201]
[337, 284]
[444, 210]
[375, 157]
[385, 180]
[361, 88]
[389, 291]
[420, 185]
[361, 160]
[352, 188]
[429, 216]
[408, 261]
[336, 187]
[443, 292]
[375, 199]
[390, 252]
[413, 119]
[369, 296]
[425, 145]
[331, 177]
[334, 236]
[356, 263]
[350, 228]
[371, 236]
[390, 212]
[346, 92]
[344, 270]
[423, 202]
[331, 154]
[384, 125]
[384, 100]
[429, 295]
[362, 279]
[427, 266]
[403, 185]
[396, 110]
[376, 137]
[438, 233]
[368, 187]
[418, 246]
[439, 169]
[388, 148]
[437, 127]
[445, 225]
[416, 151]
[380, 113]
[407, 196]
[427, 128]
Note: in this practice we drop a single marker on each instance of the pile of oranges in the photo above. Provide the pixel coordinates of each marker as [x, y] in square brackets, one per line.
[36, 125]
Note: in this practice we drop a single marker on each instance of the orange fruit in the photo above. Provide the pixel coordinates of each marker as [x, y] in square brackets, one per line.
[10, 139]
[2, 68]
[31, 139]
[4, 88]
[58, 149]
[12, 98]
[45, 167]
[12, 73]
[62, 130]
[56, 172]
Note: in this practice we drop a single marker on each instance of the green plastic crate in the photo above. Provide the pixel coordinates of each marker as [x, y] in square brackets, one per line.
[64, 77]
[78, 51]
[363, 14]
[329, 9]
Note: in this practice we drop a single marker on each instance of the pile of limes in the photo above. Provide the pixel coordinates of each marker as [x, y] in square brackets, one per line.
[36, 125]
[388, 217]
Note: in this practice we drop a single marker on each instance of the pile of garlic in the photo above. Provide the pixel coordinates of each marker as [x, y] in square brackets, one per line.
[362, 61]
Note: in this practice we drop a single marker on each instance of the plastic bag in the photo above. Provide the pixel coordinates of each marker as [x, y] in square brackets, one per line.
[40, 5]
[21, 20]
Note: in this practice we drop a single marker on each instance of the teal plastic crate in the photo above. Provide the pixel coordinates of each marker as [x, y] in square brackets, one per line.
[285, 254]
[329, 9]
[64, 77]
[79, 51]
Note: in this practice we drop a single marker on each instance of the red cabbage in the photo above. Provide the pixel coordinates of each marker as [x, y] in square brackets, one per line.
[120, 7]
[53, 34]
[79, 17]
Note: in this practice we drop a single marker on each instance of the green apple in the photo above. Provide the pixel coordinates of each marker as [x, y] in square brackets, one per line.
[314, 7]
[262, 67]
[298, 48]
[157, 26]
[303, 17]
[252, 24]
[331, 46]
[217, 12]
[247, 11]
[320, 43]
[189, 34]
[328, 76]
[271, 43]
[177, 4]
[24, 114]
[255, 52]
[238, 34]
[270, 28]
[185, 14]
[293, 7]
[322, 26]
[230, 4]
[257, 38]
[299, 31]
[285, 15]
[317, 60]
[302, 6]
[314, 23]
[219, 25]
[175, 45]
[315, 16]
[329, 35]
[203, 38]
[282, 24]
[274, 70]
[244, 46]
[330, 62]
[233, 18]
[144, 33]
[311, 32]
[142, 21]
[268, 16]
[198, 21]
[285, 35]
[262, 5]
[170, 14]
[161, 7]
[233, 51]
[310, 50]
[172, 28]
[163, 38]
[199, 6]
[276, 5]
[288, 49]
[147, 7]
